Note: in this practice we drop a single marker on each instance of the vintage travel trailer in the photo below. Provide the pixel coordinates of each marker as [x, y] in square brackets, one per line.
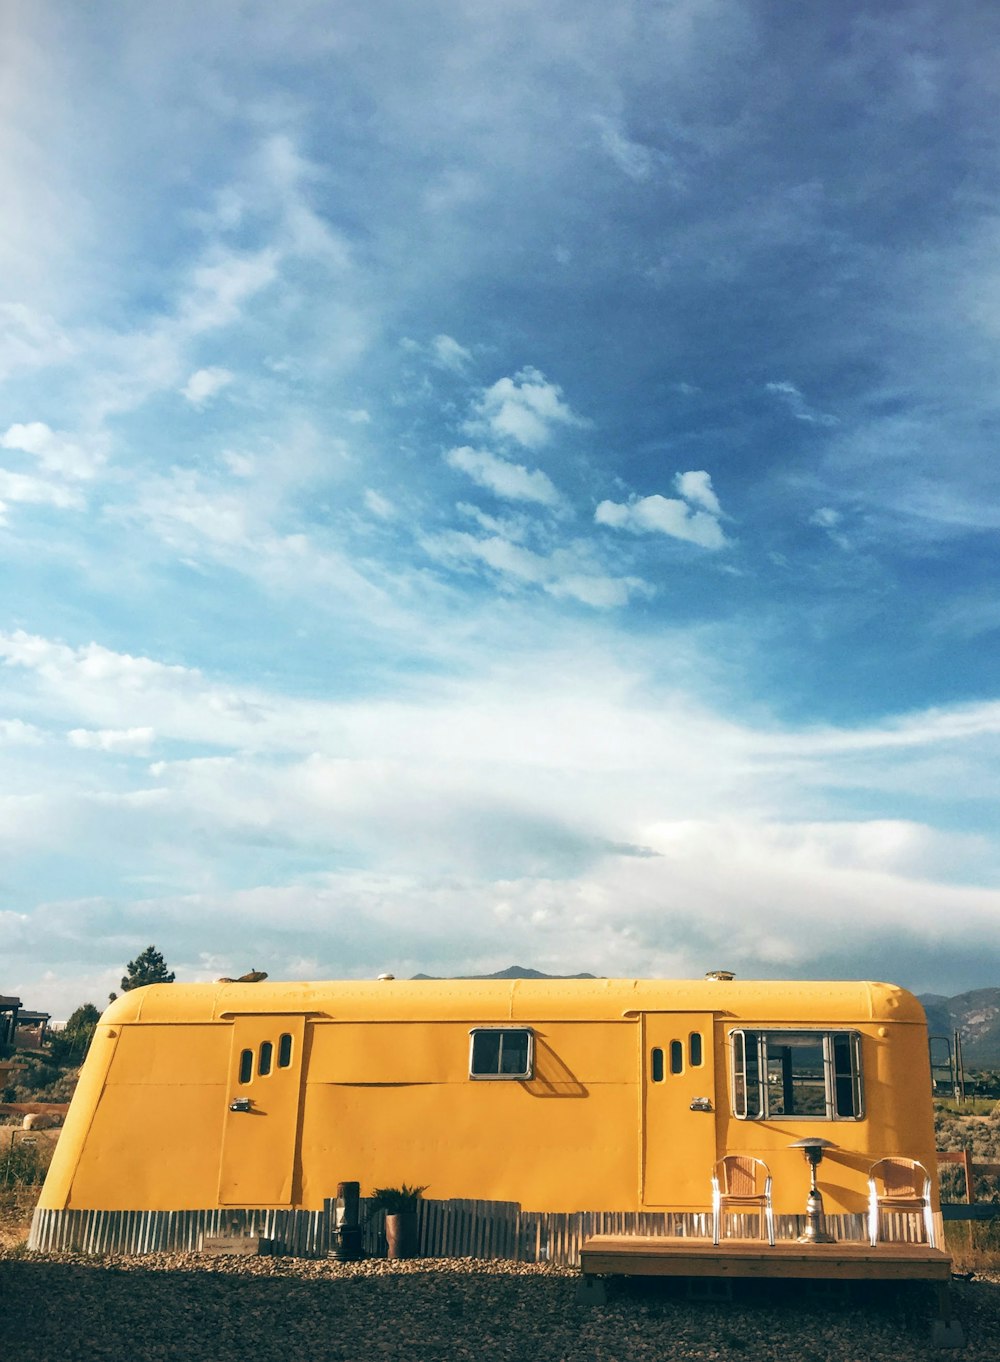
[561, 1095]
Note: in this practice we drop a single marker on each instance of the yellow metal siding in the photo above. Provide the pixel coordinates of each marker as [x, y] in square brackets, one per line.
[488, 1141]
[171, 1055]
[151, 1147]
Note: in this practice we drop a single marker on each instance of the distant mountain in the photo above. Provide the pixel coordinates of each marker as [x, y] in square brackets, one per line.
[511, 972]
[976, 1016]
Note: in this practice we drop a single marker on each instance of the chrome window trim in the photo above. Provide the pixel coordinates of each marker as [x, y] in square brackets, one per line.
[523, 1077]
[741, 1110]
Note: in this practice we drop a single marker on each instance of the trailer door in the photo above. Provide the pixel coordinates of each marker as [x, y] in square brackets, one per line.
[262, 1111]
[678, 1110]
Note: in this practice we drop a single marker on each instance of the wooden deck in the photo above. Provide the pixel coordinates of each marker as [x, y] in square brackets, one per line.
[636, 1256]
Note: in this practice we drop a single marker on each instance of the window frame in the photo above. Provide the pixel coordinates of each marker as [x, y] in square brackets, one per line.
[522, 1077]
[751, 1080]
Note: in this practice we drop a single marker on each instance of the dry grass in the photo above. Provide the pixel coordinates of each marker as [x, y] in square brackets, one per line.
[24, 1160]
[974, 1245]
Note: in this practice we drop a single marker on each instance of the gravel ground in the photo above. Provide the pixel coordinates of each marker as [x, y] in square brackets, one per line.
[186, 1308]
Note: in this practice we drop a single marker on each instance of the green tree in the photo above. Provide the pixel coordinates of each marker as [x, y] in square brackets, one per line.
[69, 1045]
[148, 967]
[84, 1019]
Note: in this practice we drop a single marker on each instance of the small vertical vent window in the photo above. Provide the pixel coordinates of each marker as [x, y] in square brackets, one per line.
[284, 1051]
[264, 1061]
[695, 1056]
[501, 1052]
[676, 1057]
[246, 1066]
[656, 1064]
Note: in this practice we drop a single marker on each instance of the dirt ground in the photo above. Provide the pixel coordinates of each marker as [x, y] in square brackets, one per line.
[191, 1308]
[16, 1206]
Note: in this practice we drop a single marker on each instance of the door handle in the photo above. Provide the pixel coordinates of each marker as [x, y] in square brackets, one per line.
[701, 1104]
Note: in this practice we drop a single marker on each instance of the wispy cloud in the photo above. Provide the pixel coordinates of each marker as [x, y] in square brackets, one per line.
[55, 451]
[540, 791]
[126, 741]
[450, 355]
[789, 395]
[511, 481]
[204, 384]
[567, 573]
[634, 159]
[23, 487]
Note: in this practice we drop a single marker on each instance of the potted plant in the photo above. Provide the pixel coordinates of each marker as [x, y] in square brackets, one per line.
[400, 1207]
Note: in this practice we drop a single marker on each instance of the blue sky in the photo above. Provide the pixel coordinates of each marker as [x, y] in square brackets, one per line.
[488, 483]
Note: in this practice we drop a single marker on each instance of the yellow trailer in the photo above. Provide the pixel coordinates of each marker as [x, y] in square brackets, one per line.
[561, 1095]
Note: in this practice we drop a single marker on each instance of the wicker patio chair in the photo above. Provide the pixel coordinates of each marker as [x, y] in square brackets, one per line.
[742, 1185]
[899, 1185]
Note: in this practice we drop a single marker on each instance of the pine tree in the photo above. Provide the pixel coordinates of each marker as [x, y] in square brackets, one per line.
[148, 967]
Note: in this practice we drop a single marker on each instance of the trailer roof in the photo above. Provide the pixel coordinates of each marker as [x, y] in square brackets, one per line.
[521, 1000]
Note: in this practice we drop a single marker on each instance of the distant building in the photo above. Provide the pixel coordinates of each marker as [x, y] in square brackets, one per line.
[9, 1008]
[31, 1027]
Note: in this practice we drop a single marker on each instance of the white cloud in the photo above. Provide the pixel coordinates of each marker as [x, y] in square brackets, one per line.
[56, 451]
[603, 593]
[524, 408]
[22, 487]
[696, 487]
[826, 518]
[15, 732]
[511, 481]
[666, 515]
[128, 741]
[450, 355]
[204, 384]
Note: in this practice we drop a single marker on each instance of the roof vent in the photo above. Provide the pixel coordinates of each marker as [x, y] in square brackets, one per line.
[383, 978]
[720, 976]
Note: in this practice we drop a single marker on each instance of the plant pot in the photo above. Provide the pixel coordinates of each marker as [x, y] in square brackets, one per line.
[401, 1235]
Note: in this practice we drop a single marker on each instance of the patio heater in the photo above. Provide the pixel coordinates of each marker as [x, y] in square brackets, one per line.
[815, 1231]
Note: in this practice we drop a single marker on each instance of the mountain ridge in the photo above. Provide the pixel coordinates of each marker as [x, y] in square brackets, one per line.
[975, 1016]
[511, 972]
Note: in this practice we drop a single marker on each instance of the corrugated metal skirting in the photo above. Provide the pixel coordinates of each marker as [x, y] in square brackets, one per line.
[300, 1234]
[448, 1229]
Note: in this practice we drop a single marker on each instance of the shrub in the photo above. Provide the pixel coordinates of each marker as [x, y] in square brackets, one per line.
[396, 1200]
